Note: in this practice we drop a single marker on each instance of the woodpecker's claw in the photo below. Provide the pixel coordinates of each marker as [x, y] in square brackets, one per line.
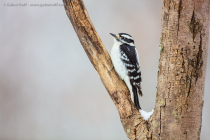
[111, 68]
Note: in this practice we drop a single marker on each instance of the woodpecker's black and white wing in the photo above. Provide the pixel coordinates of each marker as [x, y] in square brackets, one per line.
[130, 58]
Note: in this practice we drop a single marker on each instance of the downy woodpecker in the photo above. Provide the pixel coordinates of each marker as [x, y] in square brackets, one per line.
[126, 63]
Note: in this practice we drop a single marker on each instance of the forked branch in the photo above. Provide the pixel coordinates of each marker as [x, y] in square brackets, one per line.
[181, 76]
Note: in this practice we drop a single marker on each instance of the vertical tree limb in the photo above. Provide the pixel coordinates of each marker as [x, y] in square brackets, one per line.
[182, 69]
[181, 76]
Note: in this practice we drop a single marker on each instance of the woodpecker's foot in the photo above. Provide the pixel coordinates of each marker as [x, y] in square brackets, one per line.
[111, 68]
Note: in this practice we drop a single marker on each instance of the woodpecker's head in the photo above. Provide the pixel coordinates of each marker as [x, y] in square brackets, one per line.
[123, 38]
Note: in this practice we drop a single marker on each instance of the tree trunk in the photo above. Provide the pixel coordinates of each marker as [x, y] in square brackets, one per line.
[181, 75]
[182, 69]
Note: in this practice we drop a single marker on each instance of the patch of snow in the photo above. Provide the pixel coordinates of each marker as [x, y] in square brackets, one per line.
[146, 115]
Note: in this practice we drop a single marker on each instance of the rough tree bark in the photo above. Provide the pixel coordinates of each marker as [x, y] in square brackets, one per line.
[181, 75]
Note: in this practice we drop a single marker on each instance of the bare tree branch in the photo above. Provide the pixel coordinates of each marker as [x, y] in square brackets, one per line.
[99, 57]
[181, 76]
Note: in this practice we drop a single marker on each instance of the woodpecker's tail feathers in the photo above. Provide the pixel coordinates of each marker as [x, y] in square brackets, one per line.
[136, 98]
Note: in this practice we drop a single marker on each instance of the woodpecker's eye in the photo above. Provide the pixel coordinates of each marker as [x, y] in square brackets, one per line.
[122, 37]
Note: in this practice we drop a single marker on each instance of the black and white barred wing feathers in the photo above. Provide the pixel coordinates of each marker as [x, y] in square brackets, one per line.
[131, 62]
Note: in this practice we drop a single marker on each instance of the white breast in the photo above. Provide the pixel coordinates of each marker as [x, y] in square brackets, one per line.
[117, 62]
[120, 67]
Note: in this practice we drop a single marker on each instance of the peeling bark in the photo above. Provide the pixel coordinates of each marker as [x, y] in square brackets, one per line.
[181, 75]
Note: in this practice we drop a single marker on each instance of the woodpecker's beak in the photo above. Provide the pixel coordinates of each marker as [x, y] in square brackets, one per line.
[115, 36]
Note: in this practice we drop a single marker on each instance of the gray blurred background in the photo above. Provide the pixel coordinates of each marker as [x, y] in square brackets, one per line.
[48, 87]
